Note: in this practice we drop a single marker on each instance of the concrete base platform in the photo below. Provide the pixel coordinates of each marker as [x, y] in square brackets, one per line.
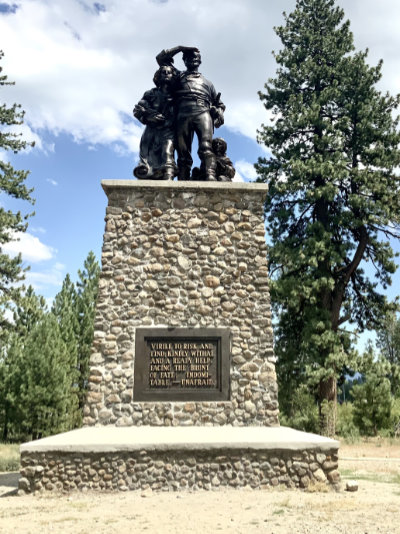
[173, 458]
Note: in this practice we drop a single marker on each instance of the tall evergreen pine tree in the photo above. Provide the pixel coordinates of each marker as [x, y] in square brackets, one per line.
[12, 183]
[65, 309]
[87, 288]
[74, 308]
[334, 198]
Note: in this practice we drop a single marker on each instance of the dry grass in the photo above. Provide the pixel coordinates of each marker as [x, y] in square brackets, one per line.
[9, 457]
[318, 487]
[374, 508]
[370, 447]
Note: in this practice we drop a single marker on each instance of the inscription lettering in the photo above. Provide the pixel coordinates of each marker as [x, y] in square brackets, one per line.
[181, 364]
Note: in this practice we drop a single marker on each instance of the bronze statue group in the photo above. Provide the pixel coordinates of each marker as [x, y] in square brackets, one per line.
[181, 104]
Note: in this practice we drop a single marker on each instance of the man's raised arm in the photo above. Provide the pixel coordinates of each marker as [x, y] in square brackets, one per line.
[165, 57]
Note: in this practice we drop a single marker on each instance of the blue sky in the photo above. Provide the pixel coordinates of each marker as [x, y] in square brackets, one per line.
[81, 66]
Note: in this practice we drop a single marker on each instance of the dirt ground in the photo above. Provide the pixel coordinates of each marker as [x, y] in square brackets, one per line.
[374, 508]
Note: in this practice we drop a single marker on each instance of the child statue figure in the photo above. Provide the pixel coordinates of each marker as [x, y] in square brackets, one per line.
[224, 169]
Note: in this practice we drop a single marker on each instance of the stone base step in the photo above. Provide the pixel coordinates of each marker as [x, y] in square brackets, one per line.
[177, 458]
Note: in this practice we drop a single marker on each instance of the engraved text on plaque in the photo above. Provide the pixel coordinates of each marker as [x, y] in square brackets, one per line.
[181, 364]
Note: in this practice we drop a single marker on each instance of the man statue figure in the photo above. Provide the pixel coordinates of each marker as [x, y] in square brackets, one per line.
[198, 110]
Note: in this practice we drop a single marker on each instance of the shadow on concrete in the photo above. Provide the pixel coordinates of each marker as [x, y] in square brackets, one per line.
[9, 484]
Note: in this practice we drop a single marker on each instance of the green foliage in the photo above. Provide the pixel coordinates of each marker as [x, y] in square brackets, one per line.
[12, 183]
[10, 382]
[302, 413]
[28, 311]
[346, 427]
[395, 418]
[346, 385]
[372, 400]
[74, 307]
[37, 374]
[9, 457]
[334, 195]
[47, 398]
[43, 356]
[64, 310]
[87, 289]
[44, 363]
[389, 344]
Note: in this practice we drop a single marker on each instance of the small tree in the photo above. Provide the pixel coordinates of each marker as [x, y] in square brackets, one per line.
[74, 308]
[12, 183]
[372, 400]
[334, 195]
[389, 344]
[65, 309]
[87, 289]
[301, 412]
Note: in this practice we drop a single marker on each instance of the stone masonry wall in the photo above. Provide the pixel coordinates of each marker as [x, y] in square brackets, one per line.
[184, 255]
[176, 470]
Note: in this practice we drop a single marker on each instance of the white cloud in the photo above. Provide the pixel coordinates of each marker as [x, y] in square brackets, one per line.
[30, 246]
[46, 280]
[51, 181]
[4, 156]
[246, 169]
[238, 177]
[80, 70]
[37, 229]
[27, 134]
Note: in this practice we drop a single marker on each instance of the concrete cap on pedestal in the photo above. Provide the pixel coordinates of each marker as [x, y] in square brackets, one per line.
[248, 187]
[150, 438]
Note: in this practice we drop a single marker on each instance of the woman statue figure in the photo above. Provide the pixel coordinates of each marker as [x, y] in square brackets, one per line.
[156, 111]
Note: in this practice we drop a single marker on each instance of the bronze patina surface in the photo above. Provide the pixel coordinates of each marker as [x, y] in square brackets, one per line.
[182, 364]
[182, 104]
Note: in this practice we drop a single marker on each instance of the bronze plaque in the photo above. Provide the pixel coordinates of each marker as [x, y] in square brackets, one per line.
[181, 364]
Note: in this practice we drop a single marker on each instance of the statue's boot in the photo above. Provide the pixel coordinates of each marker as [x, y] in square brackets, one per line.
[209, 165]
[169, 173]
[184, 173]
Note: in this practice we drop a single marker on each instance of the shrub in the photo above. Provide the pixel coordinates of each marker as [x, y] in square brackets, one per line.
[303, 411]
[9, 457]
[395, 418]
[372, 405]
[346, 427]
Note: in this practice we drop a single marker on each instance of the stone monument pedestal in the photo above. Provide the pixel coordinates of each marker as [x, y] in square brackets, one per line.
[182, 386]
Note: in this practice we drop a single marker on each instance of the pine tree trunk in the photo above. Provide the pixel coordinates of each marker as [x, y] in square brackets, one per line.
[327, 406]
